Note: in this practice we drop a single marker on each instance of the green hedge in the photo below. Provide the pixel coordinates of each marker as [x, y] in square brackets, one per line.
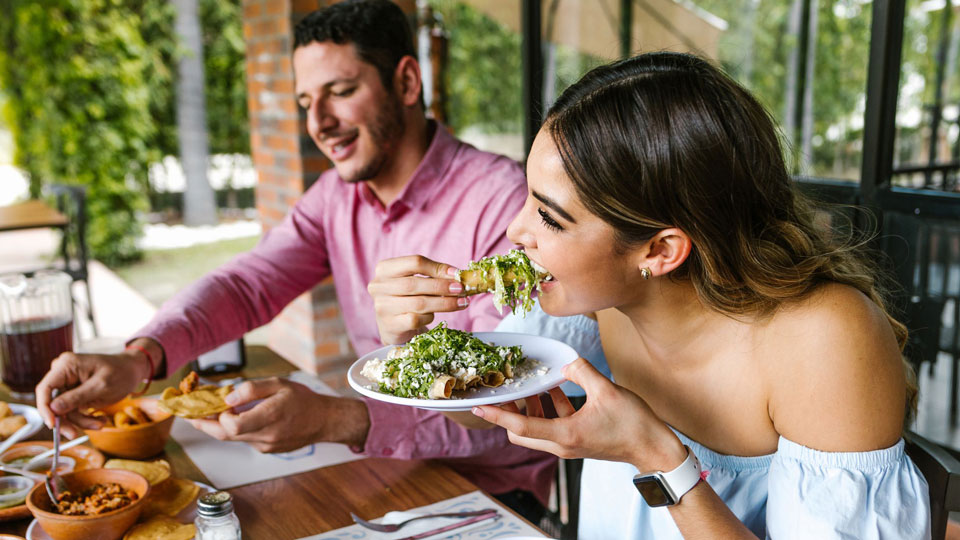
[91, 99]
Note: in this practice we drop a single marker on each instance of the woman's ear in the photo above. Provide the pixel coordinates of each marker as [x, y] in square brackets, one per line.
[407, 81]
[668, 249]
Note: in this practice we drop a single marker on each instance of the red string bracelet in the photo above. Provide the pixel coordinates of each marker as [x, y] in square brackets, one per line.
[149, 378]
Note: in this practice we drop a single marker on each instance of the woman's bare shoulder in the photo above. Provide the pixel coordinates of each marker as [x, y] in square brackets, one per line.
[835, 375]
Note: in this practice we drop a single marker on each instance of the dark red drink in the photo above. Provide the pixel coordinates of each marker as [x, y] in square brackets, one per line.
[27, 347]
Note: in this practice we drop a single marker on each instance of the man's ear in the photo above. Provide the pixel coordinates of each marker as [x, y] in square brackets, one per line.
[406, 81]
[667, 250]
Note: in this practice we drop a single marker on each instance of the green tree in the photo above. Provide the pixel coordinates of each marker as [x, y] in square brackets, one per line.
[484, 81]
[79, 108]
[226, 77]
[90, 87]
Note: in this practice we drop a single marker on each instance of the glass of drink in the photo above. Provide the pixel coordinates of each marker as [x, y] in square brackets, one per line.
[36, 325]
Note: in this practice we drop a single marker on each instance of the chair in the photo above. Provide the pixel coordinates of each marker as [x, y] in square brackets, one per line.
[72, 202]
[566, 487]
[942, 471]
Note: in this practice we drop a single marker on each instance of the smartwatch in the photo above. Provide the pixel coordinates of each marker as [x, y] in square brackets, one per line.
[666, 488]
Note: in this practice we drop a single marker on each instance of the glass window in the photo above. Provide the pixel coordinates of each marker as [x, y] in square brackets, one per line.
[927, 147]
[815, 92]
[483, 101]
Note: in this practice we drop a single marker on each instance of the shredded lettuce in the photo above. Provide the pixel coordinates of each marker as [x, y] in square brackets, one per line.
[412, 368]
[517, 293]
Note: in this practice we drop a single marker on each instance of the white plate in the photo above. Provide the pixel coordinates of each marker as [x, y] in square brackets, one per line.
[187, 515]
[32, 415]
[551, 354]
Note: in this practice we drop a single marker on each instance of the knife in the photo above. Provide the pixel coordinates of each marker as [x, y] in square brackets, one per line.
[491, 514]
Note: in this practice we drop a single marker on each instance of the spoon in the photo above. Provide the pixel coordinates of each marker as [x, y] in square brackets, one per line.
[44, 455]
[54, 484]
[29, 474]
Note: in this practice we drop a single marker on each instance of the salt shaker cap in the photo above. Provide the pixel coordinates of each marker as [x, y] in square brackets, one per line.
[216, 504]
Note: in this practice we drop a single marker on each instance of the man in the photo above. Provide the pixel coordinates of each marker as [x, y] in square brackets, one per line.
[401, 185]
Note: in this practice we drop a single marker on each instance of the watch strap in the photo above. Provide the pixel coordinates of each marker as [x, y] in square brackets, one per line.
[670, 486]
[685, 477]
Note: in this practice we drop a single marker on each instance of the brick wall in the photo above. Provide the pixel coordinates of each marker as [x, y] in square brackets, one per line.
[309, 332]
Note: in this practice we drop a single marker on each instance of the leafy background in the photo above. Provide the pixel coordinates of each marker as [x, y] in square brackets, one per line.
[90, 88]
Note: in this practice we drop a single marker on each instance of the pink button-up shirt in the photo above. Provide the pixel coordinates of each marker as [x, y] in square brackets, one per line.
[455, 208]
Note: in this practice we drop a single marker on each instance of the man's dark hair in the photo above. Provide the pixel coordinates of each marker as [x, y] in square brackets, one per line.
[378, 30]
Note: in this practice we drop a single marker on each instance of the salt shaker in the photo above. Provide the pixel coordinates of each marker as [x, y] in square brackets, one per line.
[215, 517]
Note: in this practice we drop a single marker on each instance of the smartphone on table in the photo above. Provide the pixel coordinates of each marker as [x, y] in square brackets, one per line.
[226, 358]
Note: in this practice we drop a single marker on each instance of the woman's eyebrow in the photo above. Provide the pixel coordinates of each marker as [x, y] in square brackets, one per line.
[556, 207]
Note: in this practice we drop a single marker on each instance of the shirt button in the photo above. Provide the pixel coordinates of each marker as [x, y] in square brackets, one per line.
[388, 451]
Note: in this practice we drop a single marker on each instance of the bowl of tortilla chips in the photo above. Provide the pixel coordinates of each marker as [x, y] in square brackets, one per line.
[134, 428]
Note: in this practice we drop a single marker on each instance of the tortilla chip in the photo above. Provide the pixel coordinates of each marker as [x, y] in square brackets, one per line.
[202, 402]
[154, 471]
[5, 409]
[10, 425]
[161, 528]
[170, 497]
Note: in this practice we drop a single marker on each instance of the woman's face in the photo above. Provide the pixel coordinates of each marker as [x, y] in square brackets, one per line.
[575, 246]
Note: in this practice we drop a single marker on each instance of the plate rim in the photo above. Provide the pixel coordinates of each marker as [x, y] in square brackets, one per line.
[454, 405]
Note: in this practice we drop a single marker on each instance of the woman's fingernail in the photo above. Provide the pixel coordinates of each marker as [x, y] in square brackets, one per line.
[452, 271]
[463, 301]
[477, 411]
[456, 287]
[57, 407]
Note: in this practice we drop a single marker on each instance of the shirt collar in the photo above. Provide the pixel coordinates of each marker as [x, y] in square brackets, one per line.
[428, 174]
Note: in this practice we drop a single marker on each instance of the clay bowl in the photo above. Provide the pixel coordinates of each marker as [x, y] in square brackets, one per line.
[107, 526]
[134, 442]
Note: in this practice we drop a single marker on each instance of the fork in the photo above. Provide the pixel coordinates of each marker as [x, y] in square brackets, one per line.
[383, 527]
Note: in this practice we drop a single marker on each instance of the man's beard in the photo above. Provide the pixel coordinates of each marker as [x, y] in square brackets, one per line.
[384, 132]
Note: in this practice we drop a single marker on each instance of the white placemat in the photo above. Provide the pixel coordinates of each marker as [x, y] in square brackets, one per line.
[229, 464]
[505, 527]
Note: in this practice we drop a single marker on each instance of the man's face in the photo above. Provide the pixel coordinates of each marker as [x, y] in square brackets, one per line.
[351, 117]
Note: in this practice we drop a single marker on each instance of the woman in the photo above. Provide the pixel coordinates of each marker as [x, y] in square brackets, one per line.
[740, 335]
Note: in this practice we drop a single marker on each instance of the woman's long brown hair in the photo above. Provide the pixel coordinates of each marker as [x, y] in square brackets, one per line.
[667, 140]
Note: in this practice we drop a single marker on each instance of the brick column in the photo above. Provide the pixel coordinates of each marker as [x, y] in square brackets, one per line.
[310, 331]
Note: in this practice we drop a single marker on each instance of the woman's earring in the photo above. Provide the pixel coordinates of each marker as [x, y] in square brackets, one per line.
[645, 273]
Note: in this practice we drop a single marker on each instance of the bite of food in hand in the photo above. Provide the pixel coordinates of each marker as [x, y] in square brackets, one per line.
[511, 278]
[437, 362]
[191, 400]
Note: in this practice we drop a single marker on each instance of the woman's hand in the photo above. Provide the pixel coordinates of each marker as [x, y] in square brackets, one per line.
[614, 424]
[407, 291]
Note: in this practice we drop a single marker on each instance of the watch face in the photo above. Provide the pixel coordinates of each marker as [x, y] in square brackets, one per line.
[653, 491]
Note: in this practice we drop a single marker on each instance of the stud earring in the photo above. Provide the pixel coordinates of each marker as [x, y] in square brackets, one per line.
[645, 273]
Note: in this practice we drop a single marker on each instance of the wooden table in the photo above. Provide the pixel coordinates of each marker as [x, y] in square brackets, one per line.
[32, 214]
[315, 501]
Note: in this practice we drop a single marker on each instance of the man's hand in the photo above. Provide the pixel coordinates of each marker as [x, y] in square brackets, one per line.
[88, 380]
[289, 416]
[407, 291]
